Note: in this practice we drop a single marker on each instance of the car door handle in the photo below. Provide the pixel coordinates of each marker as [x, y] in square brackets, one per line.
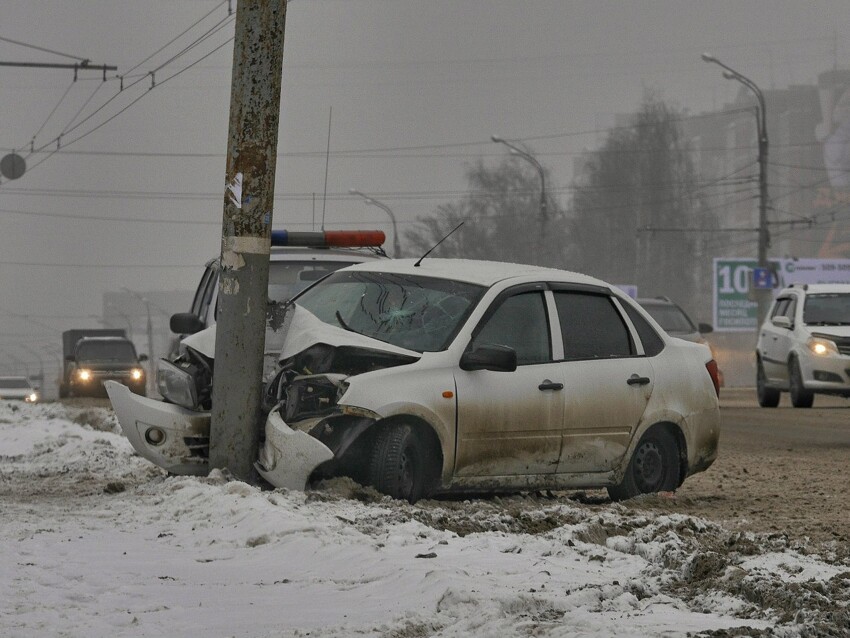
[636, 380]
[549, 385]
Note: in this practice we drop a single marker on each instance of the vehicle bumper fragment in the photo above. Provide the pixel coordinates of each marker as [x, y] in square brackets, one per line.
[289, 456]
[159, 431]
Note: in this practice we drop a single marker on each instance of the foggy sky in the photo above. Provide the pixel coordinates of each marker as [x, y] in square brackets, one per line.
[417, 89]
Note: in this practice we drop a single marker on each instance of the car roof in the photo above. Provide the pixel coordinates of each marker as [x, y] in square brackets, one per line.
[656, 301]
[484, 273]
[817, 288]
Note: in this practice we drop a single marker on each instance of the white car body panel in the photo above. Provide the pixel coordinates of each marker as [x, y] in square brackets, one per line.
[138, 414]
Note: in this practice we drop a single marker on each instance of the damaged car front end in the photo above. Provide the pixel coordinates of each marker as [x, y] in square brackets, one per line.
[306, 426]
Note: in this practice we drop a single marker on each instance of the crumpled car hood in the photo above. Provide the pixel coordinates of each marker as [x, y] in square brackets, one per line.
[203, 341]
[302, 329]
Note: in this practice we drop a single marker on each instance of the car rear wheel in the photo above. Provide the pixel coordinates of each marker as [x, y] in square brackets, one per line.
[800, 397]
[767, 397]
[398, 467]
[654, 466]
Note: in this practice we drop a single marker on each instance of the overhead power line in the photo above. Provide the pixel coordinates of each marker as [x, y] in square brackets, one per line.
[38, 48]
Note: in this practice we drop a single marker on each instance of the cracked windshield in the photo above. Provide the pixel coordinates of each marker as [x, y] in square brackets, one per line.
[417, 313]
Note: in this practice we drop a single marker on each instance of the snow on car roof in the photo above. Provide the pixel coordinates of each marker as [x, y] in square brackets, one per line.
[485, 273]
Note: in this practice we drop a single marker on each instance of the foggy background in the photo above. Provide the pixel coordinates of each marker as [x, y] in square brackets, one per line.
[130, 205]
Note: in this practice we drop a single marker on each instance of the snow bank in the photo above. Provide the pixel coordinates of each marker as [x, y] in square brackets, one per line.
[98, 542]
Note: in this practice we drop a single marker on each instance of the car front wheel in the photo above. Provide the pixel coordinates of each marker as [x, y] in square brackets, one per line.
[767, 397]
[800, 397]
[654, 467]
[398, 467]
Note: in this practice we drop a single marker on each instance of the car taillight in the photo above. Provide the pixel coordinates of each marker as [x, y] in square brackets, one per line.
[714, 373]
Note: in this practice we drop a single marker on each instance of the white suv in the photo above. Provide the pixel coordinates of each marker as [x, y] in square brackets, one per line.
[804, 345]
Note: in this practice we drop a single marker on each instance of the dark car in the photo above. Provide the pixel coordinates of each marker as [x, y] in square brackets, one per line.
[674, 320]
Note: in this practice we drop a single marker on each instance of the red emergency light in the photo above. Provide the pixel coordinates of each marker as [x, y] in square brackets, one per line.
[327, 238]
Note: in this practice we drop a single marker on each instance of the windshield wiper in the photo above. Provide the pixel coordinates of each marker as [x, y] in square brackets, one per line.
[343, 324]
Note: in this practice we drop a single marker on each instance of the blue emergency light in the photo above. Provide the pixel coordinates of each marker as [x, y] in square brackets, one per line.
[327, 238]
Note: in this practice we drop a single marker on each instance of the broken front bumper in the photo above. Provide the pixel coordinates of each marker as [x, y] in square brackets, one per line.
[174, 438]
[289, 456]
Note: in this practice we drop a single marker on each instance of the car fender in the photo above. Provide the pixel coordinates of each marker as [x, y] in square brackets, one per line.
[428, 395]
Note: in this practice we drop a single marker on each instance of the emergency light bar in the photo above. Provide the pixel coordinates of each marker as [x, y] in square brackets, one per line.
[327, 238]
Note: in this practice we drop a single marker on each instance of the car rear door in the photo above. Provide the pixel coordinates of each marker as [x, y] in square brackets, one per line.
[607, 379]
[509, 423]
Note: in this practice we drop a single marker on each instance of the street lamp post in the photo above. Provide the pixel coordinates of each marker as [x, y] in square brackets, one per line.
[374, 202]
[762, 296]
[533, 161]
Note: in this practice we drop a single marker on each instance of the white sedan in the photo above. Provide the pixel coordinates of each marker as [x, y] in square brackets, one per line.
[447, 375]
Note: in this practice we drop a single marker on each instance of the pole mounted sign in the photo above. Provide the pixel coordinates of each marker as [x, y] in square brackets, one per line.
[735, 280]
[12, 166]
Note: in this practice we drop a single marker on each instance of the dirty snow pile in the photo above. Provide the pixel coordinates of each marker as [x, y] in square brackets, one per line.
[98, 542]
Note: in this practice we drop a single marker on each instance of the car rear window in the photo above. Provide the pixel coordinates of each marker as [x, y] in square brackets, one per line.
[591, 326]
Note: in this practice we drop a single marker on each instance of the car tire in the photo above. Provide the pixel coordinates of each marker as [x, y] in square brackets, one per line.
[398, 466]
[654, 466]
[800, 397]
[767, 397]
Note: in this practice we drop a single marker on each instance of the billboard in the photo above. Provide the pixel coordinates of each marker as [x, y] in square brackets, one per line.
[734, 308]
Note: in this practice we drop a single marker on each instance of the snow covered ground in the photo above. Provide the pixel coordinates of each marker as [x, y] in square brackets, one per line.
[98, 542]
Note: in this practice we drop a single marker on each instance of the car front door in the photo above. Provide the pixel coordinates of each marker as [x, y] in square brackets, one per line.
[509, 423]
[607, 381]
[775, 340]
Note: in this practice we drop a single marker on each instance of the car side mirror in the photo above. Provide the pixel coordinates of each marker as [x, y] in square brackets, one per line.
[143, 357]
[705, 328]
[185, 323]
[495, 358]
[782, 322]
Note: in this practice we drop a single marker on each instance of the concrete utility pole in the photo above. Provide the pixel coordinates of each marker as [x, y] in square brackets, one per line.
[246, 235]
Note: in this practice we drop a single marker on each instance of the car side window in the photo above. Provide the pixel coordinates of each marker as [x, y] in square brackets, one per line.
[652, 343]
[519, 322]
[780, 307]
[203, 294]
[790, 308]
[591, 326]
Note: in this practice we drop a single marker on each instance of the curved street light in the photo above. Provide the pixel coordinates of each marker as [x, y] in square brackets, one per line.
[761, 125]
[374, 202]
[533, 161]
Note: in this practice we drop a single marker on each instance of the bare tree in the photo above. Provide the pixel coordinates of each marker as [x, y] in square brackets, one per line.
[502, 216]
[636, 204]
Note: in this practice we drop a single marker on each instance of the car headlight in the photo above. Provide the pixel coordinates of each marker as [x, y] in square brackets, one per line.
[83, 374]
[176, 385]
[137, 373]
[822, 347]
[32, 397]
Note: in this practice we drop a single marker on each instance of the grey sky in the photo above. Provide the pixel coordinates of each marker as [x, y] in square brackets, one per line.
[428, 82]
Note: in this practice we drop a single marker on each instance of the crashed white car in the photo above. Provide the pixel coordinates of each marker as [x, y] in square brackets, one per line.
[443, 375]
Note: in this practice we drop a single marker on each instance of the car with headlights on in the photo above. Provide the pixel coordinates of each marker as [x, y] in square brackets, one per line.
[17, 389]
[457, 376]
[804, 345]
